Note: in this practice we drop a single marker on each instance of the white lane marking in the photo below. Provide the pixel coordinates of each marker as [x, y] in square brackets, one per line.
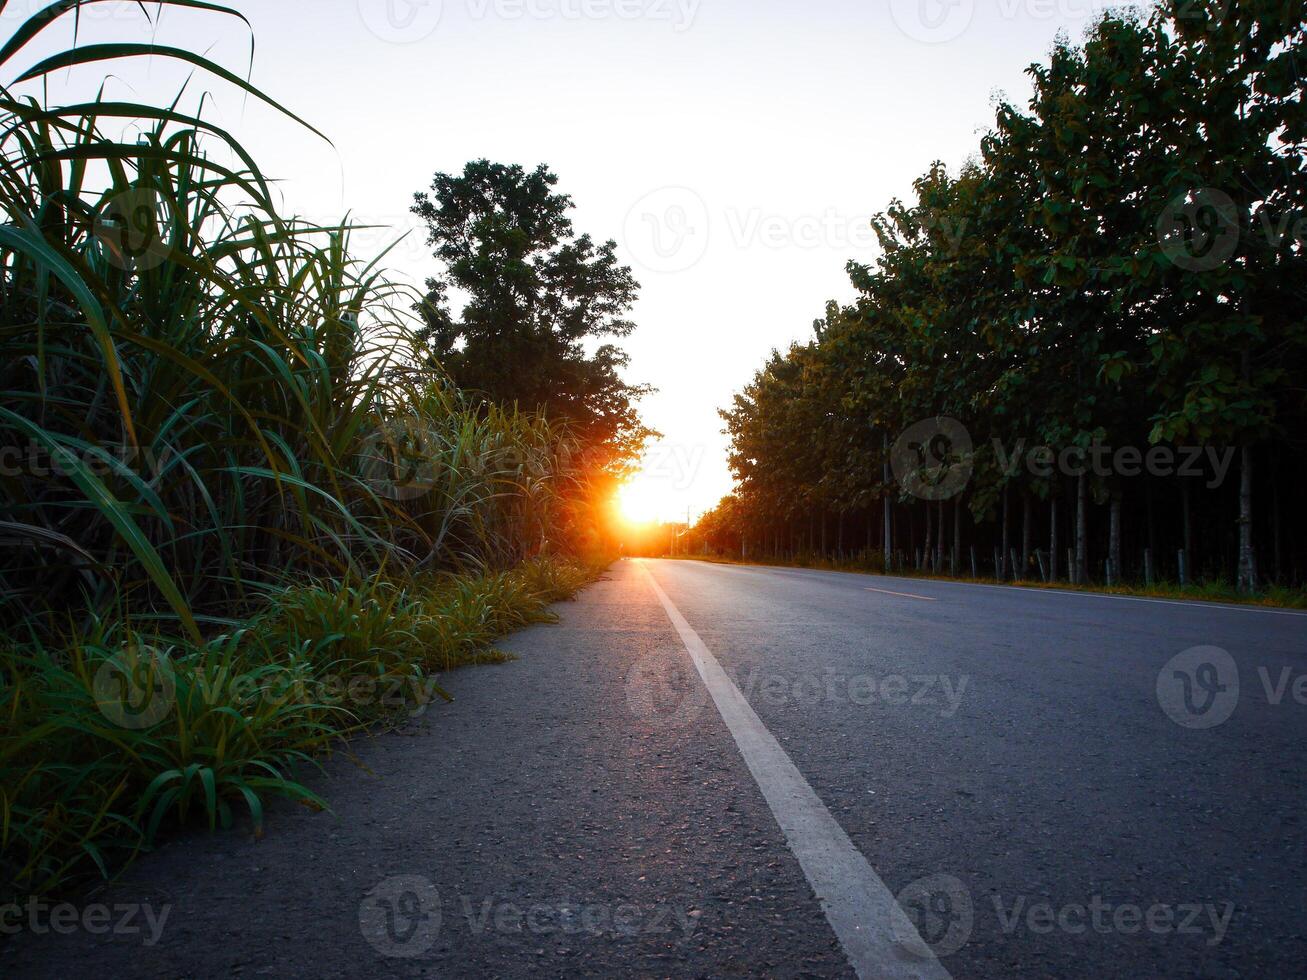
[878, 937]
[905, 595]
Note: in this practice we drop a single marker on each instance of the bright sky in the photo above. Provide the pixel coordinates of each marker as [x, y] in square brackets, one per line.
[734, 148]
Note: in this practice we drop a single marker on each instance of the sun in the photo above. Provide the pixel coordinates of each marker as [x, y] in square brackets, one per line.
[640, 501]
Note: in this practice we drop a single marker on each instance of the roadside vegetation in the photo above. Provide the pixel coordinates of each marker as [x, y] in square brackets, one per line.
[1079, 358]
[245, 511]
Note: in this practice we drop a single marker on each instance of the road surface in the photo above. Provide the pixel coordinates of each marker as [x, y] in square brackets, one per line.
[714, 770]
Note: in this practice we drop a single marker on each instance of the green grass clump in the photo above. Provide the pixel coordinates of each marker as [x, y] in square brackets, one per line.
[234, 482]
[241, 714]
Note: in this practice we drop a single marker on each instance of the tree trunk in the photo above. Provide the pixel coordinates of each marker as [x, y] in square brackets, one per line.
[957, 533]
[939, 536]
[1082, 502]
[1276, 526]
[1186, 527]
[1052, 536]
[1001, 570]
[1027, 534]
[1247, 558]
[885, 505]
[930, 533]
[1152, 524]
[1114, 537]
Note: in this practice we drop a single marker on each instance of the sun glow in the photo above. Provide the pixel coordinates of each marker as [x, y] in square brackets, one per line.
[642, 501]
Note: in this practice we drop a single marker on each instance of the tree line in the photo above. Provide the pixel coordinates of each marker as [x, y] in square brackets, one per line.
[1081, 356]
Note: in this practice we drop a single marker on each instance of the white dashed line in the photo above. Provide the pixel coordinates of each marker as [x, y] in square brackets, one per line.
[905, 595]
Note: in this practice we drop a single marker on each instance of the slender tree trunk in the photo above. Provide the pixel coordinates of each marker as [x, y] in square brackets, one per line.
[957, 532]
[1082, 502]
[1186, 527]
[886, 507]
[939, 536]
[1002, 558]
[1276, 527]
[930, 533]
[1114, 537]
[823, 534]
[1052, 535]
[1027, 534]
[1152, 524]
[1247, 557]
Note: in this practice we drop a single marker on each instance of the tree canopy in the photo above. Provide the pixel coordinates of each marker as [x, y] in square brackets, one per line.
[533, 297]
[1121, 267]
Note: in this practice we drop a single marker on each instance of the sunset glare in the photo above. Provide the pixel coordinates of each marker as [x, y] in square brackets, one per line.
[644, 500]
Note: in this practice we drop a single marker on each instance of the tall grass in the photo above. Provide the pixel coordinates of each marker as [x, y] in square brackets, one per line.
[89, 781]
[196, 391]
[226, 463]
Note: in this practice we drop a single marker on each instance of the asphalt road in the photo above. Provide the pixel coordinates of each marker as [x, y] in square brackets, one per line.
[741, 771]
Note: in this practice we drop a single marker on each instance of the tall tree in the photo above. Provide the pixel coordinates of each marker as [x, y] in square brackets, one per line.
[1122, 269]
[534, 296]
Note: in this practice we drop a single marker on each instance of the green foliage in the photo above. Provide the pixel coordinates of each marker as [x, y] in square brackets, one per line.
[245, 712]
[1122, 265]
[535, 292]
[198, 395]
[229, 475]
